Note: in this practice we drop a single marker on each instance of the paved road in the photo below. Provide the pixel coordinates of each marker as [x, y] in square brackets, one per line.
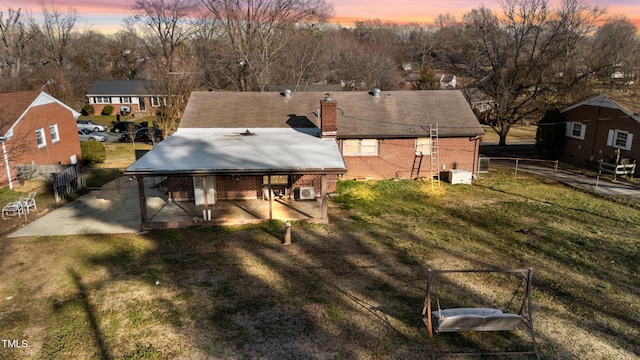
[589, 183]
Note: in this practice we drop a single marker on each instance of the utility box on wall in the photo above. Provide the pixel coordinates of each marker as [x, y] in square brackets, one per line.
[460, 177]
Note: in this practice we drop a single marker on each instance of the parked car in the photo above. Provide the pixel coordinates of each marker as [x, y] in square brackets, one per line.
[90, 125]
[144, 135]
[86, 135]
[125, 126]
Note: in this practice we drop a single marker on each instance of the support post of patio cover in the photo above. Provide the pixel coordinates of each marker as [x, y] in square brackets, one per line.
[323, 196]
[143, 200]
[270, 198]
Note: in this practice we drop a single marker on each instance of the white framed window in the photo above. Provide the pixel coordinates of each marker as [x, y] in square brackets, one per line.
[158, 101]
[620, 139]
[125, 100]
[40, 139]
[423, 146]
[358, 147]
[575, 130]
[102, 99]
[53, 130]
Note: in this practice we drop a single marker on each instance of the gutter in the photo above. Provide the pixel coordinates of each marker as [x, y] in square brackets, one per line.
[6, 160]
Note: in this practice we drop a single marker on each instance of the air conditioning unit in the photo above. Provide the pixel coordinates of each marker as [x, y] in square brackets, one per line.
[307, 193]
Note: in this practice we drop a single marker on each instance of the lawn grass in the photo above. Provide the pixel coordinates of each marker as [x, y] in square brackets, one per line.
[351, 289]
[518, 133]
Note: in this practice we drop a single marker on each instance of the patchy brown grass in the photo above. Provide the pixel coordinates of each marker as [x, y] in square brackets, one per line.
[352, 289]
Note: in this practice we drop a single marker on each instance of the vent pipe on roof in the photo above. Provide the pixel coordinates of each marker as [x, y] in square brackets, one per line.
[287, 93]
[376, 92]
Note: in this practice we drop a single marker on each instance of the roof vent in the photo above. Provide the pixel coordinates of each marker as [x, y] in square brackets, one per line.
[376, 92]
[247, 133]
[287, 93]
[327, 97]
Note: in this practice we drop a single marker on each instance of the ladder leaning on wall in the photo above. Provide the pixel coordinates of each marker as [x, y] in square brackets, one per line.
[435, 155]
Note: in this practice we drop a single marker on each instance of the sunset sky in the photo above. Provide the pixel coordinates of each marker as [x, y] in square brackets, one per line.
[106, 15]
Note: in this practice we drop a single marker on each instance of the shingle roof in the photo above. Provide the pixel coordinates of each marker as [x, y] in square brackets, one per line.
[394, 114]
[122, 88]
[627, 103]
[12, 106]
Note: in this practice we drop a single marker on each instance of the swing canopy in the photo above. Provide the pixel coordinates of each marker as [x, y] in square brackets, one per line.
[460, 319]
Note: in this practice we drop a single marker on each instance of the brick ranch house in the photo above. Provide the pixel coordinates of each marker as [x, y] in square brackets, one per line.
[35, 129]
[602, 128]
[136, 97]
[305, 140]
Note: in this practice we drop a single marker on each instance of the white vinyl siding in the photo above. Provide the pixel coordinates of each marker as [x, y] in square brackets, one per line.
[575, 130]
[358, 147]
[620, 139]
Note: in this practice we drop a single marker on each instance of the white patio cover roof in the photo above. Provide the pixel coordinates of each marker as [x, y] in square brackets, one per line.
[191, 151]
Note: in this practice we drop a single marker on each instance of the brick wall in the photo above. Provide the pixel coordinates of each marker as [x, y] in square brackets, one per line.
[598, 122]
[22, 147]
[395, 159]
[180, 188]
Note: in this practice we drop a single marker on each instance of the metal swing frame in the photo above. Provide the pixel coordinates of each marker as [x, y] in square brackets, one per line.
[524, 314]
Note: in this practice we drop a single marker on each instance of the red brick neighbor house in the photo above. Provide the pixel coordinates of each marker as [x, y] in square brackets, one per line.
[237, 146]
[603, 128]
[128, 97]
[35, 129]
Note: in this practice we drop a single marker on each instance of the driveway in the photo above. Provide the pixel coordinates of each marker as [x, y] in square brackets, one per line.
[586, 182]
[113, 209]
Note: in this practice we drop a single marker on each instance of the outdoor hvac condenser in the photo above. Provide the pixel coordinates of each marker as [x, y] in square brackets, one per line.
[460, 177]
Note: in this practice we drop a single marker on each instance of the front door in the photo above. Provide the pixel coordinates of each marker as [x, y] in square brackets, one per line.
[201, 196]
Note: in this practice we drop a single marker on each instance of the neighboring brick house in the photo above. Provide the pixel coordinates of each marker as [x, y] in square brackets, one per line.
[135, 97]
[35, 129]
[600, 127]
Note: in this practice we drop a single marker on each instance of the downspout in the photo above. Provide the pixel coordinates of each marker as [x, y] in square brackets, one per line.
[6, 160]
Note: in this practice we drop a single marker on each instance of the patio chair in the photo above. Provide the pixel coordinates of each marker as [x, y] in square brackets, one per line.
[30, 202]
[13, 209]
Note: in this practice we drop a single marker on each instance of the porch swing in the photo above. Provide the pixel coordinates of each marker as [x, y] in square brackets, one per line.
[481, 318]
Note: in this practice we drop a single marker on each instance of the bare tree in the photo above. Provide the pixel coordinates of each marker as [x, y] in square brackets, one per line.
[514, 58]
[253, 33]
[14, 37]
[54, 34]
[615, 51]
[166, 29]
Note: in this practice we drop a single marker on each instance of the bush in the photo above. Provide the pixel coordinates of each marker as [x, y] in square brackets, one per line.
[107, 110]
[88, 110]
[93, 152]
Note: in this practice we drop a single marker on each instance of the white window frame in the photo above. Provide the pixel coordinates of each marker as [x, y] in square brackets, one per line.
[125, 100]
[423, 146]
[614, 139]
[41, 139]
[53, 131]
[157, 101]
[102, 100]
[575, 130]
[363, 147]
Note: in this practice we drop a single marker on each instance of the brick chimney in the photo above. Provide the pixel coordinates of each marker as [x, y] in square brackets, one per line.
[328, 127]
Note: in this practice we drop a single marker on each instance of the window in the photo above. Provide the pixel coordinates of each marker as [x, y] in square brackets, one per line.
[125, 100]
[53, 130]
[158, 101]
[575, 130]
[423, 146]
[102, 100]
[620, 139]
[360, 147]
[40, 139]
[276, 179]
